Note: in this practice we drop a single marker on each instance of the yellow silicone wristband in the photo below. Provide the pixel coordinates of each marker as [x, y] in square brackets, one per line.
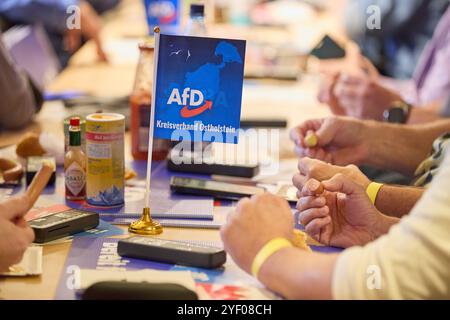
[266, 251]
[372, 191]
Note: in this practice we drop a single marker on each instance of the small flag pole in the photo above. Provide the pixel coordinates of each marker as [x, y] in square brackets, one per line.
[146, 225]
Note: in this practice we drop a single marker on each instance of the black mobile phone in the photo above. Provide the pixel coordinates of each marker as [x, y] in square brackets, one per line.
[170, 251]
[219, 190]
[261, 123]
[63, 224]
[122, 290]
[327, 48]
[245, 171]
[199, 162]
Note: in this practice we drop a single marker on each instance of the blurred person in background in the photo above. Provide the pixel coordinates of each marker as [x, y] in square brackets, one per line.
[357, 89]
[20, 99]
[53, 15]
[406, 27]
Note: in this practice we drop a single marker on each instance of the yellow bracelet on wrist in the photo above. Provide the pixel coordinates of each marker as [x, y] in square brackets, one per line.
[372, 191]
[266, 251]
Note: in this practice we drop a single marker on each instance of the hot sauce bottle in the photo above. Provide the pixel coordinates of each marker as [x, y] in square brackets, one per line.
[140, 104]
[75, 164]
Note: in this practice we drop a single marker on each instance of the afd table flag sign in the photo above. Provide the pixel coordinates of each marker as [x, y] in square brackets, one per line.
[198, 88]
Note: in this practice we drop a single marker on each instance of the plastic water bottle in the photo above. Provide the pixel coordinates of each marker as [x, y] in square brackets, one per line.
[196, 24]
[196, 27]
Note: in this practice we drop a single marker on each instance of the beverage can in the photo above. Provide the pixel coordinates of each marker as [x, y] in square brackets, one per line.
[105, 183]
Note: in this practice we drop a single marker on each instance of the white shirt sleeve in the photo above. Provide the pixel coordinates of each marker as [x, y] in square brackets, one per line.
[412, 261]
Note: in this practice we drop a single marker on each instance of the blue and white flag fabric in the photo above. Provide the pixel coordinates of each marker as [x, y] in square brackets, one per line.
[198, 88]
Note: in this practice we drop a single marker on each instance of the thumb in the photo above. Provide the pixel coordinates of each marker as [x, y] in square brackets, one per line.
[353, 58]
[352, 51]
[327, 132]
[15, 207]
[343, 184]
[327, 87]
[370, 69]
[312, 187]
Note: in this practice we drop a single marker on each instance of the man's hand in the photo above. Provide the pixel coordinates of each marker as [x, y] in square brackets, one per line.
[15, 234]
[319, 170]
[90, 28]
[326, 93]
[353, 89]
[255, 222]
[342, 215]
[340, 140]
[362, 97]
[355, 64]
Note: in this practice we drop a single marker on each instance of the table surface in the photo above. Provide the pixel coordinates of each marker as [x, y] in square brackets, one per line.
[124, 27]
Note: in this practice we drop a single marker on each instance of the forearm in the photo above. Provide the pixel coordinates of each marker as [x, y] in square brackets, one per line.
[425, 114]
[297, 274]
[397, 201]
[401, 147]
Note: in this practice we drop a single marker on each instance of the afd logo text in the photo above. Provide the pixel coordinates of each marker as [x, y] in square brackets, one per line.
[193, 101]
[191, 97]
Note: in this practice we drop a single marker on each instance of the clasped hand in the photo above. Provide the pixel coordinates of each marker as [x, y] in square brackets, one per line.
[342, 215]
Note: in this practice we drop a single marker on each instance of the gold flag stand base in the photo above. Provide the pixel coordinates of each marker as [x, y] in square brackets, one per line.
[145, 225]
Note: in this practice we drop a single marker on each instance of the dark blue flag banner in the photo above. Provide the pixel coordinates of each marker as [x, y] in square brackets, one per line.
[198, 89]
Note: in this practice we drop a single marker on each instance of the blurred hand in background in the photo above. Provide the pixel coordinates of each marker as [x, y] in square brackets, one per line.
[351, 87]
[91, 27]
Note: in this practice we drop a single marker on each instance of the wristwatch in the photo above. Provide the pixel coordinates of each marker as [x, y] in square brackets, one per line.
[398, 112]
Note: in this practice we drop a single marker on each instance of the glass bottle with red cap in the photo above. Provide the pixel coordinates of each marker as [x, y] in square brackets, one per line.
[75, 164]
